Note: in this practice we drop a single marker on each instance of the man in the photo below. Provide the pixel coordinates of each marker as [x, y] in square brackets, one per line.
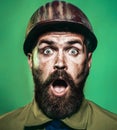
[59, 45]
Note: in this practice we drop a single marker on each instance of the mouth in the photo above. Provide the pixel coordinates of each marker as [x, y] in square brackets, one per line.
[59, 87]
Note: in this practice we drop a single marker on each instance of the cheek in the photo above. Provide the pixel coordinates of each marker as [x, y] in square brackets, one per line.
[76, 67]
[46, 66]
[73, 70]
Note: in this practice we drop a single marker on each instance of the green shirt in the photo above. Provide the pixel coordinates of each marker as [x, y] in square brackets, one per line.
[89, 117]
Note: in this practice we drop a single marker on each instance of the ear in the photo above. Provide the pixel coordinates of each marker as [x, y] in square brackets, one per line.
[89, 59]
[30, 59]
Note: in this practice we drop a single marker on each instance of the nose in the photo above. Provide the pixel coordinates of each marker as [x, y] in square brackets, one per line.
[60, 62]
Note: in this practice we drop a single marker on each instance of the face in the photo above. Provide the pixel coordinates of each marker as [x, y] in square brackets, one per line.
[60, 65]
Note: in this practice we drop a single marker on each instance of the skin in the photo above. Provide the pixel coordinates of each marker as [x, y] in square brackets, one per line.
[60, 50]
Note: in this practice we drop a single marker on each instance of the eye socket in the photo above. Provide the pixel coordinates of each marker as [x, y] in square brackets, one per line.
[48, 51]
[73, 51]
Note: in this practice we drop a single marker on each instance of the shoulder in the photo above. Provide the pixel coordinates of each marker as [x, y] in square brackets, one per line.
[16, 117]
[21, 111]
[101, 117]
[98, 109]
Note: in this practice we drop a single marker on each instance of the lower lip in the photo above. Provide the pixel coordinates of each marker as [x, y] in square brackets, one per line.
[60, 92]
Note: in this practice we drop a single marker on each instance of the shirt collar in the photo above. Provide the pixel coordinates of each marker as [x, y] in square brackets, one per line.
[80, 119]
[77, 121]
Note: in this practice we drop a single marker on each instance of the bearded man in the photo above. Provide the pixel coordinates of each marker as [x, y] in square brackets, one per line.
[59, 45]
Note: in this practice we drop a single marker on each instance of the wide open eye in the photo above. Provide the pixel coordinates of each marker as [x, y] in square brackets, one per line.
[48, 51]
[73, 51]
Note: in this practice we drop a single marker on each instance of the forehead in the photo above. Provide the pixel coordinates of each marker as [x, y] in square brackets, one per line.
[61, 36]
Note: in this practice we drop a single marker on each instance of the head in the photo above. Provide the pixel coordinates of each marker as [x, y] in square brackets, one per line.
[59, 47]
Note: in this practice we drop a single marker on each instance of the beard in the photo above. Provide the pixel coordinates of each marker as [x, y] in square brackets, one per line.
[56, 107]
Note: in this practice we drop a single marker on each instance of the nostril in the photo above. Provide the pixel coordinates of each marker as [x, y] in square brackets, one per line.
[59, 67]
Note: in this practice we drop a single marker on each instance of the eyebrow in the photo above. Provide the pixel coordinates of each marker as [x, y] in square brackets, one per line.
[46, 41]
[50, 42]
[75, 42]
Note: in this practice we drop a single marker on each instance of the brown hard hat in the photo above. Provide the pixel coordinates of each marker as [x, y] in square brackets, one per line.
[58, 16]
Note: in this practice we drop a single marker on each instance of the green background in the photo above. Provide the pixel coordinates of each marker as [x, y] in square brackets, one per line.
[16, 85]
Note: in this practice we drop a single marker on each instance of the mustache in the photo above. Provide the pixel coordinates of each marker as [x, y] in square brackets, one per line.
[59, 74]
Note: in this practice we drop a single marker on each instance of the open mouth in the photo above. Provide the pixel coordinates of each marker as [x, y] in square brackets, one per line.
[59, 87]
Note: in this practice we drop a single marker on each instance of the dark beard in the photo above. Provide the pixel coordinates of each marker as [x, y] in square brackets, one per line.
[59, 107]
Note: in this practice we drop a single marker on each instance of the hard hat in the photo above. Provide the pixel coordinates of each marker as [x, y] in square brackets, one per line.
[55, 15]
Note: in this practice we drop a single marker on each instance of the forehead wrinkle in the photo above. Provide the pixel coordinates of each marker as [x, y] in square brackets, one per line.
[61, 37]
[50, 42]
